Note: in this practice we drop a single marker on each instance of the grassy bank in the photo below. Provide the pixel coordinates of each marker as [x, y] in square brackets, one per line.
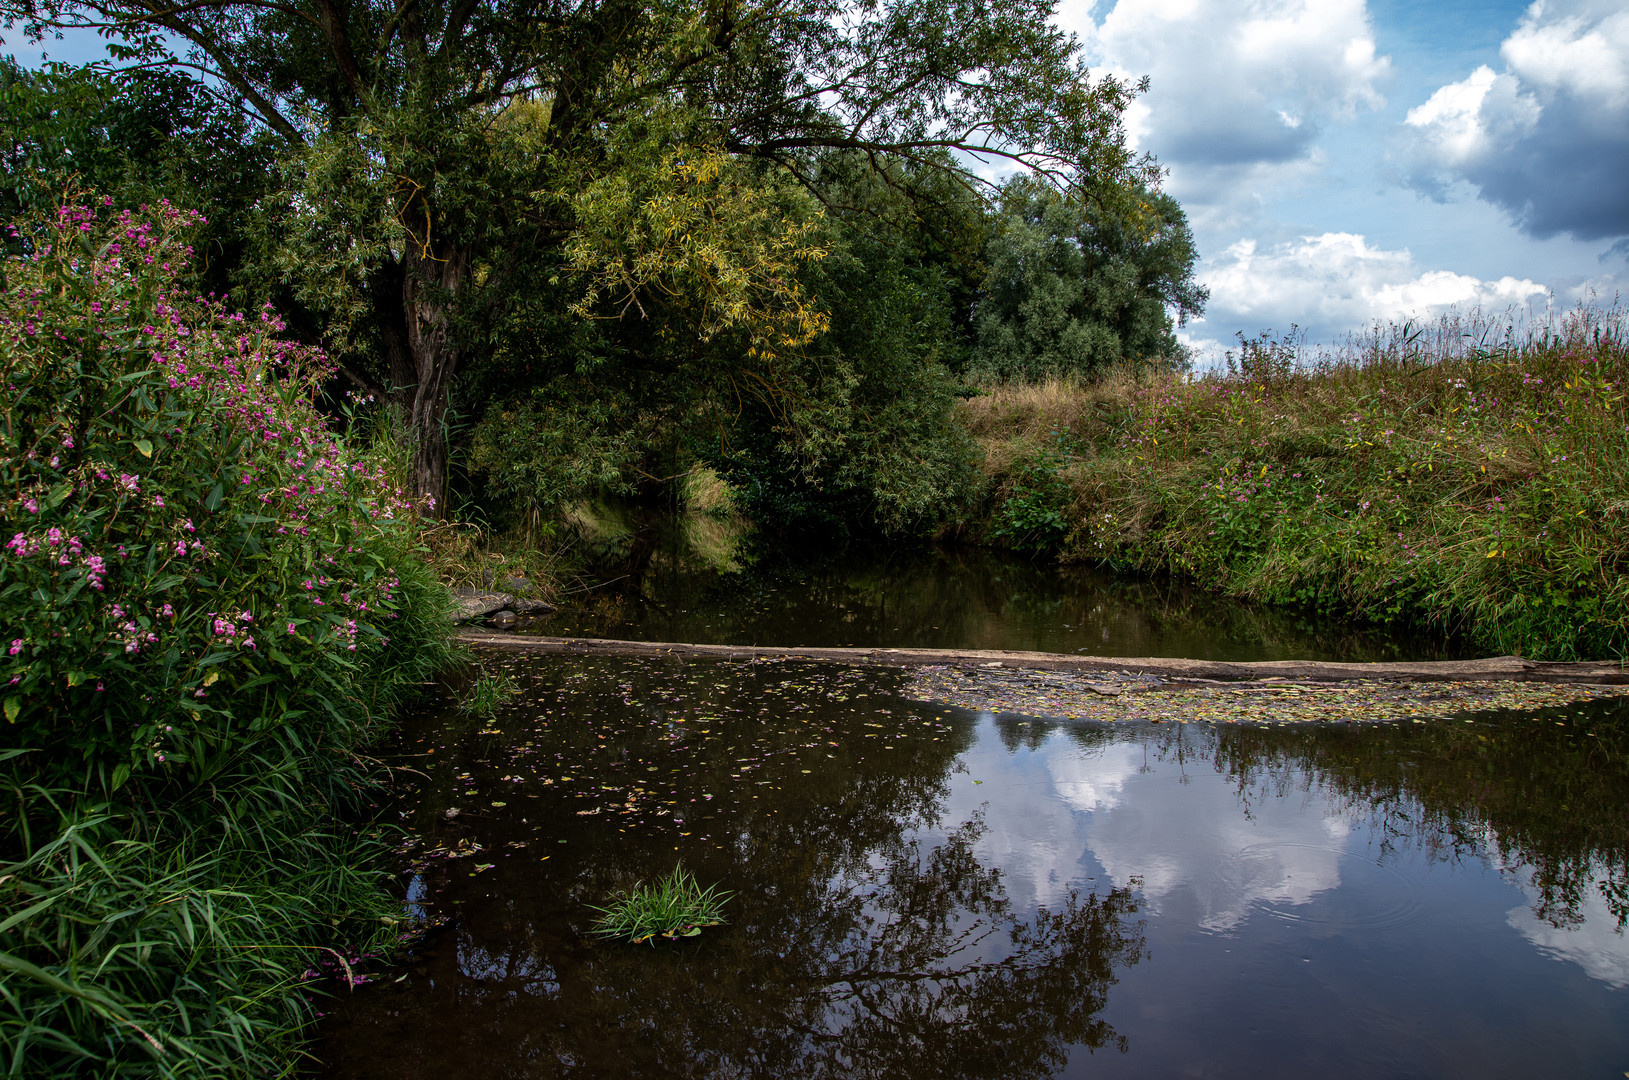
[1467, 477]
[212, 606]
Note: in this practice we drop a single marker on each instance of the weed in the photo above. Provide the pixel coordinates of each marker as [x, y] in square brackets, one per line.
[213, 602]
[1468, 475]
[674, 907]
[1031, 519]
[489, 692]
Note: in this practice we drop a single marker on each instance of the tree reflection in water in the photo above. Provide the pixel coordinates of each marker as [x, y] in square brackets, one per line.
[915, 967]
[872, 934]
[1543, 796]
[865, 938]
[918, 967]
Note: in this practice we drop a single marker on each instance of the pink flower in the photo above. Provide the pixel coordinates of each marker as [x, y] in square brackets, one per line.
[16, 646]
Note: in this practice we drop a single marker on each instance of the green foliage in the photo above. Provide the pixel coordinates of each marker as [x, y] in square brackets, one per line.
[1032, 517]
[451, 190]
[1475, 486]
[1076, 287]
[137, 134]
[153, 944]
[210, 605]
[674, 907]
[533, 457]
[858, 432]
[194, 564]
[487, 694]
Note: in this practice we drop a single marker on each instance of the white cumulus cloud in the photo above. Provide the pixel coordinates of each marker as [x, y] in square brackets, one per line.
[1240, 91]
[1335, 281]
[1547, 138]
[1594, 941]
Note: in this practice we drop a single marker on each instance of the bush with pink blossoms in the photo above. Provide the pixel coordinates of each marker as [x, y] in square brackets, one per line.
[207, 604]
[192, 562]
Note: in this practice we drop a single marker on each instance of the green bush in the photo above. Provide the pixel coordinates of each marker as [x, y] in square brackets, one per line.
[195, 565]
[1031, 517]
[209, 604]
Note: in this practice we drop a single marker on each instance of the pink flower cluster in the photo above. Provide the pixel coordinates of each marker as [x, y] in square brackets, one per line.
[62, 551]
[234, 628]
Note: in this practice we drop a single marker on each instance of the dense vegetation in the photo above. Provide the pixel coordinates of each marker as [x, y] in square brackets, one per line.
[585, 247]
[211, 603]
[1458, 477]
[561, 250]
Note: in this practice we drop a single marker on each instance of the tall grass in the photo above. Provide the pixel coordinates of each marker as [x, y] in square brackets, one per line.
[1471, 475]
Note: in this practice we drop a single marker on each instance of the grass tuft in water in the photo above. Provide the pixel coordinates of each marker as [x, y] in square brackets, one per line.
[674, 907]
[489, 692]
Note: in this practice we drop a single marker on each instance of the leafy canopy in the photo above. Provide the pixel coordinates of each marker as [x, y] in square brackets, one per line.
[1075, 286]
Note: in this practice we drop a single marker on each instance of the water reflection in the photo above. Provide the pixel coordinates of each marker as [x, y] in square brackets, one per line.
[660, 586]
[925, 892]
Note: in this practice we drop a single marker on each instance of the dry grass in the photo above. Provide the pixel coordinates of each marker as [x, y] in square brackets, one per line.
[467, 555]
[1472, 474]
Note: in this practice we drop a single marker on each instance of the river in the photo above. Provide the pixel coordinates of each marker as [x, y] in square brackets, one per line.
[918, 890]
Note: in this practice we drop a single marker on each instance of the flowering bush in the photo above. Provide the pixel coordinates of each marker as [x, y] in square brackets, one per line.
[192, 562]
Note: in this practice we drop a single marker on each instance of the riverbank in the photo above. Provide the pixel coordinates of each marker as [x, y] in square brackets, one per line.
[1429, 479]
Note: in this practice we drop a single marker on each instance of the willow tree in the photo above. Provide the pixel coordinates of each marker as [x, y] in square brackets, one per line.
[446, 152]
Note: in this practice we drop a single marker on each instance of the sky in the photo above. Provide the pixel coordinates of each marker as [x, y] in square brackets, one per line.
[1344, 162]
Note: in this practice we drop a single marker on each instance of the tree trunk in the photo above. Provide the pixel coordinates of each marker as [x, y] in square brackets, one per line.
[416, 298]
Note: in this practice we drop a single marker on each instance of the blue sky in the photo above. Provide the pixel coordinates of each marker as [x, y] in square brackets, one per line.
[1345, 161]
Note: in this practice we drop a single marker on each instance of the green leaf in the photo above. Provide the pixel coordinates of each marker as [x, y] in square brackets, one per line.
[145, 447]
[14, 706]
[121, 773]
[213, 499]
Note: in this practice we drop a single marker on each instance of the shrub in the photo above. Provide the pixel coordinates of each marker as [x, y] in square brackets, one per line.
[209, 605]
[193, 564]
[1031, 518]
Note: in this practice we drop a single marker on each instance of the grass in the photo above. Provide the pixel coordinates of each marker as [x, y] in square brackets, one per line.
[1469, 475]
[488, 693]
[165, 944]
[674, 907]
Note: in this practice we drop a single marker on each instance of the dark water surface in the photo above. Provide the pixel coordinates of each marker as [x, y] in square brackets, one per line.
[971, 599]
[923, 892]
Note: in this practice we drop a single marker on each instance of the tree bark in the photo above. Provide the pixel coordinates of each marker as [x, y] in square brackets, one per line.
[415, 304]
